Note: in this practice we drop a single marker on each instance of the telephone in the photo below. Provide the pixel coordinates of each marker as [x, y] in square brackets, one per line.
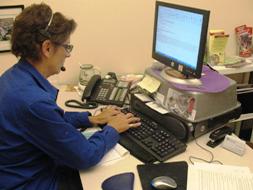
[108, 90]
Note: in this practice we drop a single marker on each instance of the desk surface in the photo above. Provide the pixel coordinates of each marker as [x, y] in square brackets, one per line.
[93, 177]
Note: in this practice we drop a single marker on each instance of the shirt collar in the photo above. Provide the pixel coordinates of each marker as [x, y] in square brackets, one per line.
[41, 80]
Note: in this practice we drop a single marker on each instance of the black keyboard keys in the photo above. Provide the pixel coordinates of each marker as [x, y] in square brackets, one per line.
[159, 142]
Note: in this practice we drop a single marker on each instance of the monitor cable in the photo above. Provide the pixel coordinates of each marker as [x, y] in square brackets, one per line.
[210, 67]
[191, 158]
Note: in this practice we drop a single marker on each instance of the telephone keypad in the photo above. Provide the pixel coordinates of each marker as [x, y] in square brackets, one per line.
[102, 93]
[111, 91]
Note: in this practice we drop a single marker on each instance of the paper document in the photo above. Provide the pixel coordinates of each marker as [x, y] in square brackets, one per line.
[149, 83]
[143, 97]
[218, 177]
[116, 153]
[90, 131]
[157, 107]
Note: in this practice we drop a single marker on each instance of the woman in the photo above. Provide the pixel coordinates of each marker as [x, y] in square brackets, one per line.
[40, 146]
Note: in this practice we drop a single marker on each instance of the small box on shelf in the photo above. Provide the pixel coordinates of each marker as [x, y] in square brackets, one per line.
[216, 46]
[244, 40]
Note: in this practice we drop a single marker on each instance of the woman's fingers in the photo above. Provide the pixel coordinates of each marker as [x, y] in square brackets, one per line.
[137, 124]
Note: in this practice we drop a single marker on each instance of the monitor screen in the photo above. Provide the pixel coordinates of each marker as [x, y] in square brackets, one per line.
[179, 37]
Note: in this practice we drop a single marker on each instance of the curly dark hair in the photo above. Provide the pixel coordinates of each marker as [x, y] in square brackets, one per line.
[30, 30]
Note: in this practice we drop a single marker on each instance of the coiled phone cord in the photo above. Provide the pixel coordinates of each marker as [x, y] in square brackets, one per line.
[77, 104]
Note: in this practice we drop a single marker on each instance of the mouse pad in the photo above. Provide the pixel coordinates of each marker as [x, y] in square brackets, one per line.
[175, 170]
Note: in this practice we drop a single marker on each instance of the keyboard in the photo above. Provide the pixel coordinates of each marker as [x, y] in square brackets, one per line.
[150, 142]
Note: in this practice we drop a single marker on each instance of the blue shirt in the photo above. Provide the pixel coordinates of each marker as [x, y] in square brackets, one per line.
[37, 137]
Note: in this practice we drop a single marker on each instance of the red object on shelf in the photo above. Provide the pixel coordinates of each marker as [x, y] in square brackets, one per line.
[244, 40]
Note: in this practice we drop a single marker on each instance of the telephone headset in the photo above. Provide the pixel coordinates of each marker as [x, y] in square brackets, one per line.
[108, 90]
[44, 32]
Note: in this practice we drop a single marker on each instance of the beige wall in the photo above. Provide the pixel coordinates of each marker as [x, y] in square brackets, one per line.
[116, 35]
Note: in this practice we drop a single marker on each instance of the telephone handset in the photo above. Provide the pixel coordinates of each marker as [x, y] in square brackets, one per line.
[108, 90]
[93, 82]
[86, 95]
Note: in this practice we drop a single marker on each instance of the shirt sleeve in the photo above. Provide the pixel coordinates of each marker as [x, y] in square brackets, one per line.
[78, 119]
[47, 129]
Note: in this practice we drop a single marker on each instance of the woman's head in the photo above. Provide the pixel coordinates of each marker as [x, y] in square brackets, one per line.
[36, 24]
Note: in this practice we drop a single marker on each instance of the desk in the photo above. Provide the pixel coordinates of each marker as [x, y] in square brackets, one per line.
[93, 177]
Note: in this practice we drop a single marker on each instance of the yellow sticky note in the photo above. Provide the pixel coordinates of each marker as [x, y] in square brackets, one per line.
[149, 83]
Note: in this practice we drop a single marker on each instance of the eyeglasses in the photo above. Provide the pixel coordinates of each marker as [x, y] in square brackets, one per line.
[68, 47]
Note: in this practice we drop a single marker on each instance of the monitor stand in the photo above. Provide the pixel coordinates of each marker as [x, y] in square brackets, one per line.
[174, 76]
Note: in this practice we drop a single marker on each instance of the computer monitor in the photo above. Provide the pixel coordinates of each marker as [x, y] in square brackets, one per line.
[179, 39]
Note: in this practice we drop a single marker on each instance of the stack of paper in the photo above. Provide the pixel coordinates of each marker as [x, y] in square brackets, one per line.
[234, 62]
[203, 176]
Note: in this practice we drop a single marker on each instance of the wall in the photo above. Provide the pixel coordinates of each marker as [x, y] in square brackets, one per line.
[116, 35]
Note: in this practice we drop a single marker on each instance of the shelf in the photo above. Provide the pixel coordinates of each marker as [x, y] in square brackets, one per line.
[227, 71]
[243, 117]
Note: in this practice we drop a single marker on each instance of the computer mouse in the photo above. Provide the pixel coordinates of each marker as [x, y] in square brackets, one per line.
[163, 183]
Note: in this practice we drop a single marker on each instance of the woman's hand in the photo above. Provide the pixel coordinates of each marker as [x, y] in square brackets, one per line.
[105, 115]
[122, 122]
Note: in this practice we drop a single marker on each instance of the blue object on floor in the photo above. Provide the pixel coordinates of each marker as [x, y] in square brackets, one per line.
[124, 181]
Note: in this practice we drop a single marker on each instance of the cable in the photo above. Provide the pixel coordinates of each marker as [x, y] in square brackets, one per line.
[77, 104]
[197, 158]
[128, 99]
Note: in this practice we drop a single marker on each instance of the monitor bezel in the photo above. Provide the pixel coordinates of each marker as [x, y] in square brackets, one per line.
[186, 71]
